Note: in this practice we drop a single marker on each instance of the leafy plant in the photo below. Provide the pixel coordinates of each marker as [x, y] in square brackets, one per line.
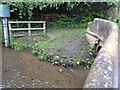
[14, 43]
[48, 49]
[1, 35]
[77, 60]
[64, 21]
[118, 23]
[25, 10]
[89, 59]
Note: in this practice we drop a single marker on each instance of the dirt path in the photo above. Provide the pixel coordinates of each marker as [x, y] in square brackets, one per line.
[22, 69]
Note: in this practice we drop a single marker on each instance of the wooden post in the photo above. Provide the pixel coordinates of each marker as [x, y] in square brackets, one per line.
[44, 27]
[29, 31]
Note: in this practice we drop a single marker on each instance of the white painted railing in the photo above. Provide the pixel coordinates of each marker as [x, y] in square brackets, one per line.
[29, 28]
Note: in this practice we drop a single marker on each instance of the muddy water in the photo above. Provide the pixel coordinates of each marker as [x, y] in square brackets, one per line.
[22, 69]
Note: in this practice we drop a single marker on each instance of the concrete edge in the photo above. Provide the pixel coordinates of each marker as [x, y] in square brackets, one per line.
[102, 72]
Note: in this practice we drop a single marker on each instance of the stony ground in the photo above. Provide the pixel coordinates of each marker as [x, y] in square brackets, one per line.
[22, 69]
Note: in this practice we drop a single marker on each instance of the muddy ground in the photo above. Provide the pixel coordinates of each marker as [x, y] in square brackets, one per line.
[24, 70]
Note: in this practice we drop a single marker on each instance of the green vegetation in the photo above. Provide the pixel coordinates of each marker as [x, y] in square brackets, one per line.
[63, 21]
[25, 9]
[14, 43]
[77, 59]
[90, 58]
[118, 23]
[47, 46]
[68, 15]
[1, 32]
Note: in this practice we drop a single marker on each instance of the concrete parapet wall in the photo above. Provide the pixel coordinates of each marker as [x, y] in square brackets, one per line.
[101, 74]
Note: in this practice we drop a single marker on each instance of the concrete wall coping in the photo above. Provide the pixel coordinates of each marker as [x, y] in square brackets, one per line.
[101, 74]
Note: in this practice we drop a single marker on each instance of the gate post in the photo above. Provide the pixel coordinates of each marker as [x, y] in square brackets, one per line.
[5, 13]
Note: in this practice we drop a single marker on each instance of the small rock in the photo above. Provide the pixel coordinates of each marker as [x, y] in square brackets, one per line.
[33, 84]
[53, 85]
[90, 53]
[18, 87]
[75, 38]
[23, 86]
[33, 80]
[46, 82]
[65, 65]
[71, 70]
[14, 84]
[17, 74]
[23, 77]
[87, 59]
[56, 57]
[60, 70]
[65, 56]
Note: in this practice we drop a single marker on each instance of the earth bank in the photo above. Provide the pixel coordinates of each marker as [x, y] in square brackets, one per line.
[22, 69]
[66, 48]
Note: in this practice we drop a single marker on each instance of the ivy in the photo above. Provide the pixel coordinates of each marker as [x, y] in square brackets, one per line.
[25, 8]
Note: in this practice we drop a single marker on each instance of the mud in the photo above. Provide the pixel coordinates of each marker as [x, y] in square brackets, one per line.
[24, 70]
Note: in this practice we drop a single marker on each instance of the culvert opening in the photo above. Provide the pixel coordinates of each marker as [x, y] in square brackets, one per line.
[94, 51]
[98, 49]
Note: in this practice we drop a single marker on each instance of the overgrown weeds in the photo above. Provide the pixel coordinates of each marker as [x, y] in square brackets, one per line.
[48, 47]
